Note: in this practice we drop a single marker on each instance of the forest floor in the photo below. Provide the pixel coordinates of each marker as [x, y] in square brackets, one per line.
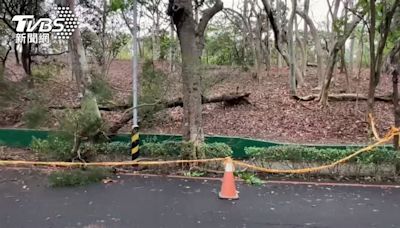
[272, 114]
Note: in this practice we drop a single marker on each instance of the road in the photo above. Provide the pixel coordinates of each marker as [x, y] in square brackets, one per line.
[137, 201]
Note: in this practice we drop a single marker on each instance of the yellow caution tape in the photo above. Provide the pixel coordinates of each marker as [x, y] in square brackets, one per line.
[105, 164]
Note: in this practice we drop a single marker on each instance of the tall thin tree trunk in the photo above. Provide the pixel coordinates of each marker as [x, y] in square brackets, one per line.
[396, 106]
[305, 37]
[171, 47]
[352, 40]
[292, 75]
[16, 54]
[372, 77]
[155, 39]
[26, 63]
[318, 47]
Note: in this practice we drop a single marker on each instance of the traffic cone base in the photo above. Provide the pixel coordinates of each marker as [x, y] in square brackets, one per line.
[228, 188]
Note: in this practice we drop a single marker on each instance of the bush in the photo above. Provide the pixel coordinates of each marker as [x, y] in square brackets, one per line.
[78, 177]
[173, 149]
[53, 148]
[152, 90]
[101, 88]
[112, 148]
[168, 149]
[45, 70]
[381, 155]
[217, 150]
[35, 116]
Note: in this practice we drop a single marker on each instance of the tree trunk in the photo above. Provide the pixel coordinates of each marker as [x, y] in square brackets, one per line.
[2, 70]
[26, 63]
[305, 37]
[16, 54]
[338, 44]
[376, 56]
[80, 69]
[352, 40]
[351, 55]
[155, 39]
[191, 39]
[396, 107]
[227, 99]
[171, 47]
[278, 40]
[255, 52]
[186, 29]
[292, 75]
[318, 47]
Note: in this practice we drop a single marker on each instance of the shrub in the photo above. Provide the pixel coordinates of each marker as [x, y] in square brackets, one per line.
[381, 155]
[35, 116]
[217, 150]
[45, 70]
[175, 149]
[53, 148]
[101, 88]
[152, 90]
[249, 178]
[106, 148]
[166, 149]
[78, 177]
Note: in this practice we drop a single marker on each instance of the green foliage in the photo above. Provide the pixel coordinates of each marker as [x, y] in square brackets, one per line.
[35, 116]
[109, 148]
[216, 150]
[166, 43]
[194, 174]
[173, 149]
[153, 88]
[45, 71]
[377, 156]
[118, 42]
[101, 88]
[85, 122]
[220, 48]
[54, 148]
[168, 149]
[249, 178]
[104, 49]
[78, 177]
[223, 47]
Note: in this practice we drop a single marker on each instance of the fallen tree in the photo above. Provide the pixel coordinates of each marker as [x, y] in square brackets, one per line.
[228, 99]
[344, 97]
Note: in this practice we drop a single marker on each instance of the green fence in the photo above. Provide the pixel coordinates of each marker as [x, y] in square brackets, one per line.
[22, 138]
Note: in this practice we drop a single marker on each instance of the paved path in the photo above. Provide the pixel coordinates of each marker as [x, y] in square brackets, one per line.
[26, 201]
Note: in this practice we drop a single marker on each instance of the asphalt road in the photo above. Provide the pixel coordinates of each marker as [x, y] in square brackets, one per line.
[27, 201]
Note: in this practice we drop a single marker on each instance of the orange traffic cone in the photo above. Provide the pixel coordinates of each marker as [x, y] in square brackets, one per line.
[228, 188]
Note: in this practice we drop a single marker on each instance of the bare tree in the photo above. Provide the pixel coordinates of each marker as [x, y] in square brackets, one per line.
[338, 42]
[281, 39]
[318, 47]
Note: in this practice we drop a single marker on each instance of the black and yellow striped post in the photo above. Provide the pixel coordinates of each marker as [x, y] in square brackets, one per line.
[135, 142]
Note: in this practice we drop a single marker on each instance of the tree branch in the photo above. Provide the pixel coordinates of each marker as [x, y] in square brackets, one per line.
[207, 15]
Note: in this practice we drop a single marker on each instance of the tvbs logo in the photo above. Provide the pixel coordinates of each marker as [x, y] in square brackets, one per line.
[25, 23]
[30, 30]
